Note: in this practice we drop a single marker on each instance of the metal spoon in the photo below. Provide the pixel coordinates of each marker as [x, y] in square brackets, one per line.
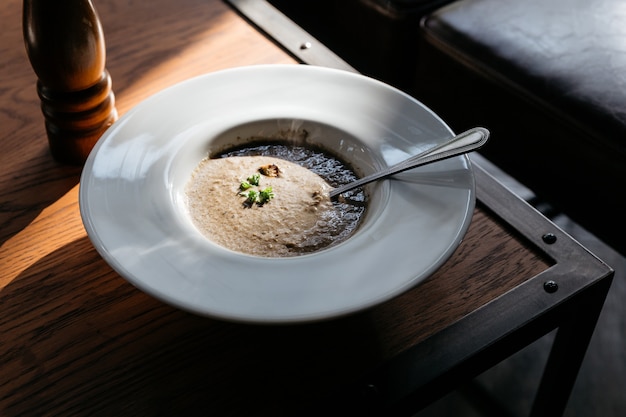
[462, 143]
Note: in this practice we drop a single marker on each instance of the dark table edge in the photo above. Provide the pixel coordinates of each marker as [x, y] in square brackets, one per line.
[569, 295]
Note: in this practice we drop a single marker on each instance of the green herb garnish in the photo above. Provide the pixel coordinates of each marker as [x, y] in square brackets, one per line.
[252, 196]
[255, 196]
[254, 179]
[266, 195]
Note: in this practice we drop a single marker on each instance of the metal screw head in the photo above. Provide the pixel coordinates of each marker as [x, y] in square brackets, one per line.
[370, 390]
[550, 286]
[370, 395]
[306, 45]
[549, 238]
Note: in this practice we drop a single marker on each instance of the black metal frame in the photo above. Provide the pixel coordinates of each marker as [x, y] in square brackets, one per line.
[567, 296]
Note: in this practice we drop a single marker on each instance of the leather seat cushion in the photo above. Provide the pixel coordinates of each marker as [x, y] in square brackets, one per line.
[566, 55]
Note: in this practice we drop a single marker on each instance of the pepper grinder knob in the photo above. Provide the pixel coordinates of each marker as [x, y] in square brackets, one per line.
[65, 45]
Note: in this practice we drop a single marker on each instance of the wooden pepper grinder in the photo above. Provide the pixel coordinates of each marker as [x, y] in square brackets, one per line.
[66, 48]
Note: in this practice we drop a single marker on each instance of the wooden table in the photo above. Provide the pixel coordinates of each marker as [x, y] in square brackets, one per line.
[77, 339]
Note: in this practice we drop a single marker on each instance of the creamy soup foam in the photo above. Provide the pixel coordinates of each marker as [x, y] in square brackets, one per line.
[272, 200]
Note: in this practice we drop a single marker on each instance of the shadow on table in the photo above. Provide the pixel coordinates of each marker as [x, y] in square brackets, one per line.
[29, 197]
[76, 336]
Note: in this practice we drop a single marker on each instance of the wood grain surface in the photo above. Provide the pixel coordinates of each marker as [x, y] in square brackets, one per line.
[77, 339]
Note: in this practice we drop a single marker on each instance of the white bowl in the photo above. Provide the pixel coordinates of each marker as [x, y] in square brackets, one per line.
[132, 194]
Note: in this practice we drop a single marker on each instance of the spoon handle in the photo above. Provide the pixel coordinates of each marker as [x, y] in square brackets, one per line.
[462, 143]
